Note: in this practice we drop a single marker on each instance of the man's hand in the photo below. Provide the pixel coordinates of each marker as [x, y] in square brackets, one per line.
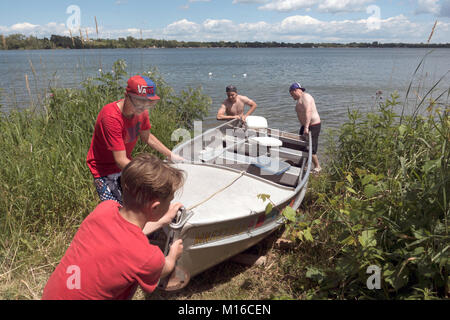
[306, 131]
[176, 158]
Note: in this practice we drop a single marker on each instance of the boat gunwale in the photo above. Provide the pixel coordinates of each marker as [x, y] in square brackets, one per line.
[269, 227]
[189, 225]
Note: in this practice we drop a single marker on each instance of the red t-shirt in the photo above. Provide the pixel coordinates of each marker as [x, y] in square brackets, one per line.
[113, 132]
[106, 260]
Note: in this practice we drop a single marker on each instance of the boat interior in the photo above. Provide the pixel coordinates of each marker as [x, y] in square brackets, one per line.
[252, 147]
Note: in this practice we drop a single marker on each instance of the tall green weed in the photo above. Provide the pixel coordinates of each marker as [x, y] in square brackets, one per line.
[383, 203]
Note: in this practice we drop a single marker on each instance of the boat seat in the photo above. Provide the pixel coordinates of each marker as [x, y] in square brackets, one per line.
[255, 122]
[268, 166]
[271, 166]
[269, 142]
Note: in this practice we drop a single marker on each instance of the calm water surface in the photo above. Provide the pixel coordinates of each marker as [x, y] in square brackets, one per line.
[338, 79]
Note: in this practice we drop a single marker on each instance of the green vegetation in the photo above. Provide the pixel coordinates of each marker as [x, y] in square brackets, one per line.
[46, 189]
[19, 41]
[384, 202]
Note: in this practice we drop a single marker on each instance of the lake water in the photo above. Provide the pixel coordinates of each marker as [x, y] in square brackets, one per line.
[337, 78]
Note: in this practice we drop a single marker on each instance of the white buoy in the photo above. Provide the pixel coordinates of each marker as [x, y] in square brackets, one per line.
[210, 74]
[245, 75]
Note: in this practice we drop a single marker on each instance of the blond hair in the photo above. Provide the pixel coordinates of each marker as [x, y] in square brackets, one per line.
[147, 178]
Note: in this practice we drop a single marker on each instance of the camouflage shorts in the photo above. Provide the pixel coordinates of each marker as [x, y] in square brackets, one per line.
[109, 188]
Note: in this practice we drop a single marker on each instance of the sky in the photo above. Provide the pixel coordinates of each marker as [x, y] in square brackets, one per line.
[341, 21]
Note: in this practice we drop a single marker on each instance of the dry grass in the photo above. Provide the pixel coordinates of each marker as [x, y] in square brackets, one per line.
[24, 278]
[432, 32]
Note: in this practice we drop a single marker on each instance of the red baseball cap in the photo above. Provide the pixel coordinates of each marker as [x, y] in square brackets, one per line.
[142, 87]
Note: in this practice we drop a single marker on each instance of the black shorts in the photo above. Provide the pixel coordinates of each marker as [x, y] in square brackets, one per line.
[315, 132]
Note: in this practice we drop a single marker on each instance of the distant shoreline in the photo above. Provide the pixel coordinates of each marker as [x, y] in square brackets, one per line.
[214, 48]
[21, 42]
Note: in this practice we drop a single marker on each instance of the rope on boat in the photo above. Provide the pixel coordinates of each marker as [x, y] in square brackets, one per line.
[217, 192]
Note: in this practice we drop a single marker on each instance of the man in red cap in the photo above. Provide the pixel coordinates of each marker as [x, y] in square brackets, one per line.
[117, 129]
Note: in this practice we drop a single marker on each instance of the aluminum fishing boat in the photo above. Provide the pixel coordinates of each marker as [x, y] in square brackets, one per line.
[227, 169]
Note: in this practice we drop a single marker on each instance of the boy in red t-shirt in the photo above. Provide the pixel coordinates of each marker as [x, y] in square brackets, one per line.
[110, 255]
[117, 129]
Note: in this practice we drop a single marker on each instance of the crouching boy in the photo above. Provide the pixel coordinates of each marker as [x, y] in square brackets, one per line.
[110, 254]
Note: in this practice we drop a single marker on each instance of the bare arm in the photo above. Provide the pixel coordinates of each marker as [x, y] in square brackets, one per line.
[167, 219]
[120, 157]
[174, 254]
[252, 106]
[154, 143]
[176, 249]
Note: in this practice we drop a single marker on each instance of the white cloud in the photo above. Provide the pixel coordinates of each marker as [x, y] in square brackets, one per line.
[438, 8]
[304, 28]
[427, 6]
[435, 7]
[295, 28]
[445, 9]
[297, 24]
[23, 27]
[288, 5]
[182, 27]
[27, 28]
[261, 26]
[249, 1]
[335, 6]
[223, 25]
[350, 30]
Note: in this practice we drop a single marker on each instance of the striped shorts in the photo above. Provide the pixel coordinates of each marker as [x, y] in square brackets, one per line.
[109, 188]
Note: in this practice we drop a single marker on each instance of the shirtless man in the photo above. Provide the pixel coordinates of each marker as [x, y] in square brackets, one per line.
[233, 107]
[308, 117]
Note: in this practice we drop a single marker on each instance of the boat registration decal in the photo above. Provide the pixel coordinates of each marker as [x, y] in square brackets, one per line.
[209, 236]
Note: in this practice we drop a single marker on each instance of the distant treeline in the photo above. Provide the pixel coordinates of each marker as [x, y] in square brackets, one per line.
[19, 41]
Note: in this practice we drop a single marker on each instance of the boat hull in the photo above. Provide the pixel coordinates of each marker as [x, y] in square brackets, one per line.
[225, 214]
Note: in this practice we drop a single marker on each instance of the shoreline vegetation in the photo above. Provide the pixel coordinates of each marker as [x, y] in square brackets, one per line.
[22, 42]
[381, 203]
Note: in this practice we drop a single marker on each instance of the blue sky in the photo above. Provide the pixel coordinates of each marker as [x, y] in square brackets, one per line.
[234, 20]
